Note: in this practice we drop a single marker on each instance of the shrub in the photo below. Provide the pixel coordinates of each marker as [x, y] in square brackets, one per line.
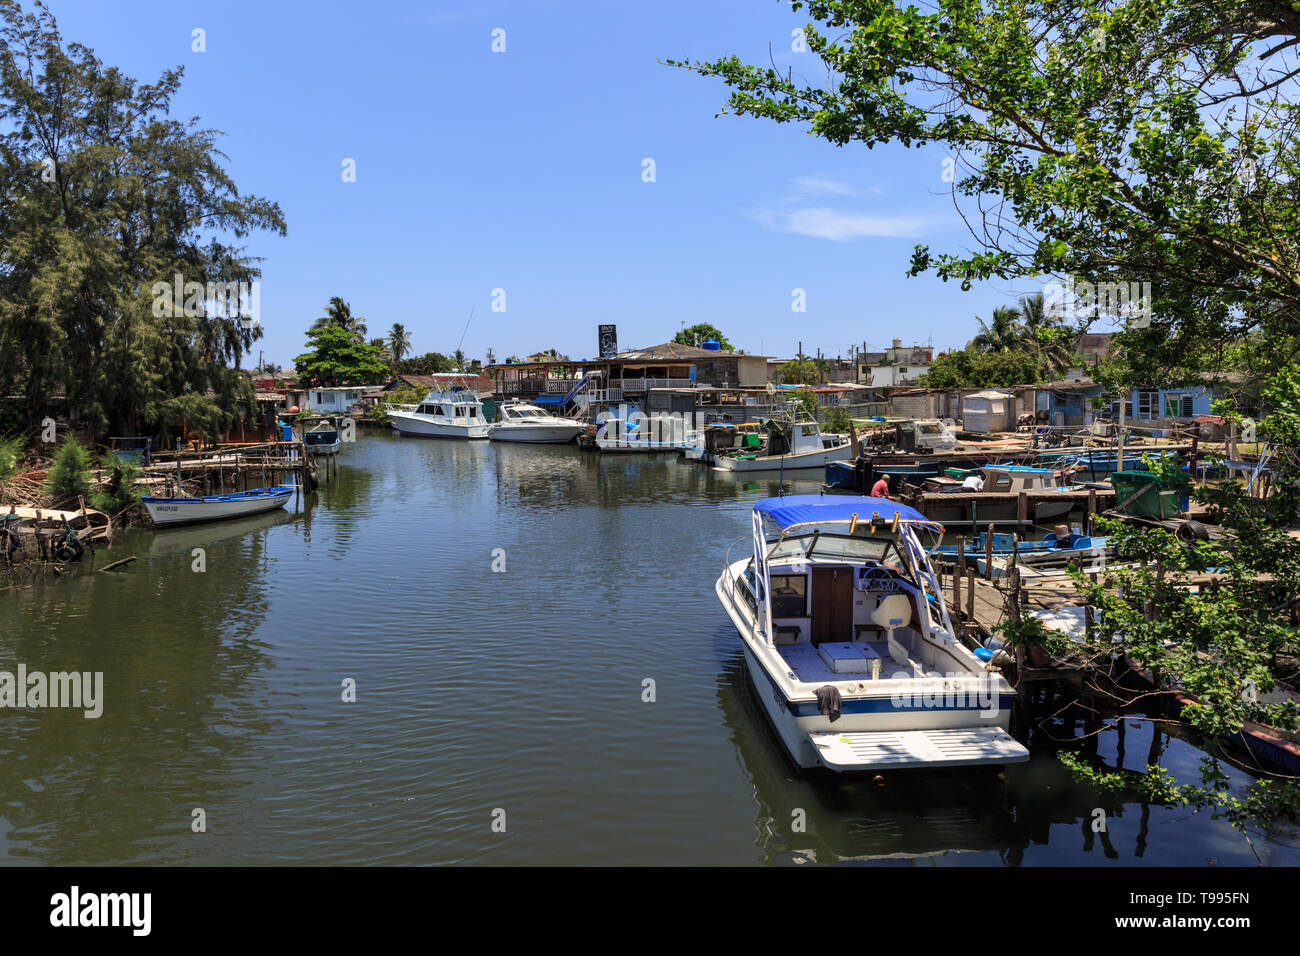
[120, 490]
[69, 476]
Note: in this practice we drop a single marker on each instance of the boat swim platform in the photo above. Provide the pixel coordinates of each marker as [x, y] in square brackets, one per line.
[894, 750]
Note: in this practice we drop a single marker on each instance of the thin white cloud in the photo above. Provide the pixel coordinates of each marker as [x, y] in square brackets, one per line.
[825, 223]
[822, 186]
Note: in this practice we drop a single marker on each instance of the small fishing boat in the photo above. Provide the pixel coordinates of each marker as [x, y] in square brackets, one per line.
[786, 446]
[849, 644]
[525, 422]
[645, 434]
[454, 412]
[166, 512]
[323, 438]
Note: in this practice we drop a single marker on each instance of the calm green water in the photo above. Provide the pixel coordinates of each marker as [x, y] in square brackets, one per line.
[479, 690]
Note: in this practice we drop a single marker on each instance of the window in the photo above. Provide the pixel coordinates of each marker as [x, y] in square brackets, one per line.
[320, 398]
[789, 595]
[1148, 405]
[1187, 410]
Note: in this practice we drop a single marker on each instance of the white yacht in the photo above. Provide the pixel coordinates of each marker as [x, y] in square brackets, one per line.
[789, 446]
[849, 644]
[523, 421]
[445, 413]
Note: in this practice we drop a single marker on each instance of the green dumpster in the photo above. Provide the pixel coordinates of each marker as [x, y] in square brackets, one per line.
[1140, 493]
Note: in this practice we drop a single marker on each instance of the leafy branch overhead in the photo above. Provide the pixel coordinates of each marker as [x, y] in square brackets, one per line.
[1107, 140]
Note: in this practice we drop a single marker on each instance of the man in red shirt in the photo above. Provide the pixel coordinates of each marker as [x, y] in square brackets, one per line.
[881, 488]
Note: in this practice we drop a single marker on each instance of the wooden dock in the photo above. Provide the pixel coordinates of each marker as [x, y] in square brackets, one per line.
[929, 503]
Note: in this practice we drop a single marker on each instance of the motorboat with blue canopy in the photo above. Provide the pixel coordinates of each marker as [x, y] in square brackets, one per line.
[849, 643]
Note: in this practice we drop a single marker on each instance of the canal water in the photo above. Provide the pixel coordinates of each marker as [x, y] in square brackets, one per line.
[487, 699]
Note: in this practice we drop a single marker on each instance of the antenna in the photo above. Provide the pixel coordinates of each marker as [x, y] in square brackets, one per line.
[462, 334]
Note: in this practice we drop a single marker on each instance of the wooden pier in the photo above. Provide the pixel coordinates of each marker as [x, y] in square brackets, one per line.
[981, 503]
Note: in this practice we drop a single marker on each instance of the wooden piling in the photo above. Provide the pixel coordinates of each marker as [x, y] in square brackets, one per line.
[988, 553]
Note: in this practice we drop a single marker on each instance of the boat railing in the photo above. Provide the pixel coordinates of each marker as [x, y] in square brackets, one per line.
[728, 561]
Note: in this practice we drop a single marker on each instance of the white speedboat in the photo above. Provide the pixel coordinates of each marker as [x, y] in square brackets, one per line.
[790, 446]
[445, 413]
[166, 512]
[849, 644]
[525, 422]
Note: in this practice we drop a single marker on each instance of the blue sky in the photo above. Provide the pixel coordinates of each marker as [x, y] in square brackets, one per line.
[522, 171]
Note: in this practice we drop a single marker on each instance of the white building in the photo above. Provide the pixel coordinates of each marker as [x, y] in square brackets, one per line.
[331, 401]
[897, 365]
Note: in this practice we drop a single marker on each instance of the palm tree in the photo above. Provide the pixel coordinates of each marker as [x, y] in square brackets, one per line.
[1052, 343]
[381, 346]
[399, 341]
[339, 314]
[1003, 333]
[459, 356]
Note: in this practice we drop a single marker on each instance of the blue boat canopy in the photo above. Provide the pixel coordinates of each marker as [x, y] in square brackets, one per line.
[549, 400]
[811, 509]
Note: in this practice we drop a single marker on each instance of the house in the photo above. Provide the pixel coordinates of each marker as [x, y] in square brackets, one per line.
[630, 375]
[897, 365]
[1067, 403]
[480, 384]
[332, 400]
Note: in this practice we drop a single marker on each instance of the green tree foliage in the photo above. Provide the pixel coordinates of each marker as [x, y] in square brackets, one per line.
[968, 368]
[120, 488]
[837, 420]
[700, 333]
[336, 356]
[399, 342]
[11, 450]
[801, 371]
[69, 476]
[106, 195]
[427, 364]
[338, 315]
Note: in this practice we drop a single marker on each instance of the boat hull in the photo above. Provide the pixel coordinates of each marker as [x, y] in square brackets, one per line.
[167, 512]
[418, 426]
[536, 434]
[808, 460]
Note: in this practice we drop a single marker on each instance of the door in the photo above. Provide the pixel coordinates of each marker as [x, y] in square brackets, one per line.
[832, 605]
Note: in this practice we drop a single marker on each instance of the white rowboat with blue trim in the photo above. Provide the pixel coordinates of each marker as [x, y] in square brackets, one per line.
[166, 512]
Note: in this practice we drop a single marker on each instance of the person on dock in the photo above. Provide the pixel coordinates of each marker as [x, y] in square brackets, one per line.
[881, 488]
[973, 483]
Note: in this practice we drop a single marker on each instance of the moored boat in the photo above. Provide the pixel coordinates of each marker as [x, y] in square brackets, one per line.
[849, 643]
[525, 422]
[454, 412]
[788, 446]
[166, 512]
[323, 438]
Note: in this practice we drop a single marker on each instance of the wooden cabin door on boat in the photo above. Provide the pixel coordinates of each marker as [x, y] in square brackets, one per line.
[832, 604]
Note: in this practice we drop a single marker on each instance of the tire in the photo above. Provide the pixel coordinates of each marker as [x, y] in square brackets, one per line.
[65, 552]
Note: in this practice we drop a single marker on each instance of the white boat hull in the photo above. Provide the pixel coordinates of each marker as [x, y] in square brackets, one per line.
[795, 462]
[421, 426]
[165, 512]
[329, 449]
[540, 434]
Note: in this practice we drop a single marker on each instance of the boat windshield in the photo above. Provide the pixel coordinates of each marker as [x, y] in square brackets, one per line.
[836, 547]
